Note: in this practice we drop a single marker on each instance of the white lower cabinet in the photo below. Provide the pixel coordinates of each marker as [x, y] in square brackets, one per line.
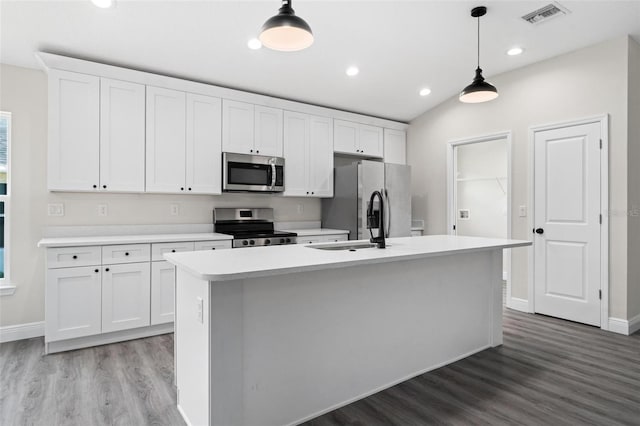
[73, 302]
[163, 277]
[125, 296]
[122, 291]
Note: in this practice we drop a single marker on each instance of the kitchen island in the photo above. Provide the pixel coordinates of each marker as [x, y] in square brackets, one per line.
[279, 335]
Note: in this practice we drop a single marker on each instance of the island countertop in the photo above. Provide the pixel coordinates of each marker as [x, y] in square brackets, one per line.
[234, 264]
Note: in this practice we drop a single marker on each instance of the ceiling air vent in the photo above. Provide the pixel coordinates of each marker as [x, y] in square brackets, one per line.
[544, 13]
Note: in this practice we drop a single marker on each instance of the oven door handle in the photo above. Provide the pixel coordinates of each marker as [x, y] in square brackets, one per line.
[273, 175]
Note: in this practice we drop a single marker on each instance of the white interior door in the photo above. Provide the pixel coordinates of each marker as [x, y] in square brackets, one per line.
[567, 242]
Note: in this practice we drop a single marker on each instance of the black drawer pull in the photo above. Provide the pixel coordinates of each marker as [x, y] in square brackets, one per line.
[97, 270]
[213, 248]
[107, 269]
[126, 254]
[173, 250]
[75, 256]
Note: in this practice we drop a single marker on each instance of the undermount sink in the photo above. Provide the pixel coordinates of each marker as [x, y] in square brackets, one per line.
[351, 246]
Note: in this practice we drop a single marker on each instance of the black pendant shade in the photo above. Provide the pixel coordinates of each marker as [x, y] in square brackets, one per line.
[479, 90]
[286, 31]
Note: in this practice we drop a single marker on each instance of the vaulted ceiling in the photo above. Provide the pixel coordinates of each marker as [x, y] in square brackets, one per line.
[400, 47]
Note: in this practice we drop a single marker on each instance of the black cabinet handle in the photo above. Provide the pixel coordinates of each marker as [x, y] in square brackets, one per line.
[126, 254]
[75, 256]
[257, 151]
[539, 231]
[107, 269]
[213, 248]
[96, 271]
[95, 186]
[104, 186]
[182, 189]
[173, 251]
[189, 189]
[250, 150]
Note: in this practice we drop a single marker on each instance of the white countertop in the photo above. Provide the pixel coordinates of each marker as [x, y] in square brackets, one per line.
[224, 265]
[130, 239]
[317, 231]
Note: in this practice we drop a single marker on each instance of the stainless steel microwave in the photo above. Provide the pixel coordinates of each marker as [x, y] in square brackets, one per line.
[253, 173]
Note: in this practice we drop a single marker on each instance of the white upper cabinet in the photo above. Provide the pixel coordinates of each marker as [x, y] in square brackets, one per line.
[268, 131]
[166, 140]
[183, 142]
[74, 132]
[358, 139]
[122, 133]
[308, 153]
[395, 146]
[204, 144]
[251, 129]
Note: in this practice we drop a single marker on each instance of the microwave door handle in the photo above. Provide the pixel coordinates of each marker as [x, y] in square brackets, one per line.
[273, 175]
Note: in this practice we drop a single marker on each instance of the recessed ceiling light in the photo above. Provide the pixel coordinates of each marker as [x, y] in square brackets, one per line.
[515, 51]
[352, 71]
[425, 91]
[254, 44]
[104, 4]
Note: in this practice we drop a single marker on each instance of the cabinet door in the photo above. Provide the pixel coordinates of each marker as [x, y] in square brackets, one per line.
[268, 131]
[320, 163]
[125, 296]
[74, 131]
[72, 303]
[204, 144]
[371, 141]
[163, 280]
[122, 124]
[296, 134]
[345, 137]
[237, 127]
[395, 146]
[165, 152]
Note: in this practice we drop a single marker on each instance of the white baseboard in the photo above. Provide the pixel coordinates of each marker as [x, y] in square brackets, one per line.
[518, 304]
[626, 327]
[634, 324]
[10, 333]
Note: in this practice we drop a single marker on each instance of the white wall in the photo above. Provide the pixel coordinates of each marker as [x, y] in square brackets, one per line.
[583, 83]
[633, 303]
[23, 92]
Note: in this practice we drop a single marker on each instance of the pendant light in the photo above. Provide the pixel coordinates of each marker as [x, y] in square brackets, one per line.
[479, 90]
[286, 31]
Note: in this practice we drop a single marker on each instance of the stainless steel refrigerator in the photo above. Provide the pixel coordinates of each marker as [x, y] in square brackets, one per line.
[353, 185]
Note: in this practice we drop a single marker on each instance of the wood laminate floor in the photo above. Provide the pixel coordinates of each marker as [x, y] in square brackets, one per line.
[548, 372]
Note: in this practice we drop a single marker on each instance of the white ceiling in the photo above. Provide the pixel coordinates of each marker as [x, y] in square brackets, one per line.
[399, 46]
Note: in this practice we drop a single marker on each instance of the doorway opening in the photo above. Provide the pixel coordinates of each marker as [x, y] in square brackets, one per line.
[479, 191]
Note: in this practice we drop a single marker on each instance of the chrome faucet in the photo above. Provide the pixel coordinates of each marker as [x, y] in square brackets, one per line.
[375, 219]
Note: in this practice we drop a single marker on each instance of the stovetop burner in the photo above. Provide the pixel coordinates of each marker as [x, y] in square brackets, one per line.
[250, 227]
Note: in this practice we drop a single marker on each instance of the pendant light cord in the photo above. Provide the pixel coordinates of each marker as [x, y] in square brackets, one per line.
[478, 42]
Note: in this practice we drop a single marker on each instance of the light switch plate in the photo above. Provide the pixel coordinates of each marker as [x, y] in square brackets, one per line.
[174, 209]
[522, 211]
[103, 210]
[55, 209]
[199, 309]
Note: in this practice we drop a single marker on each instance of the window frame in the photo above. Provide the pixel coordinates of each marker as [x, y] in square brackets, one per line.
[5, 283]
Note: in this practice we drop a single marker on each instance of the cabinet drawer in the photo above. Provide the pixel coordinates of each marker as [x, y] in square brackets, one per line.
[158, 250]
[212, 245]
[310, 239]
[66, 257]
[126, 253]
[334, 238]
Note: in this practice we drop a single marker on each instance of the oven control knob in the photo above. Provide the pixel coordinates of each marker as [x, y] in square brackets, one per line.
[288, 240]
[267, 242]
[253, 243]
[281, 240]
[245, 243]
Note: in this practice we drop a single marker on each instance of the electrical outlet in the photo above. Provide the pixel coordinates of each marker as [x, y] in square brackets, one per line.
[175, 209]
[522, 211]
[199, 309]
[300, 208]
[102, 210]
[55, 209]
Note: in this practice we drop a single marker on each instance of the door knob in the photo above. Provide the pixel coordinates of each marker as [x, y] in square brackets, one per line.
[539, 231]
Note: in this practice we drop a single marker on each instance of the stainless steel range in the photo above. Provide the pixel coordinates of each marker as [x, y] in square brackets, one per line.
[250, 227]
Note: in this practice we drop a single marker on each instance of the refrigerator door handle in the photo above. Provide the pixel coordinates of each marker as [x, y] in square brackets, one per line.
[387, 213]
